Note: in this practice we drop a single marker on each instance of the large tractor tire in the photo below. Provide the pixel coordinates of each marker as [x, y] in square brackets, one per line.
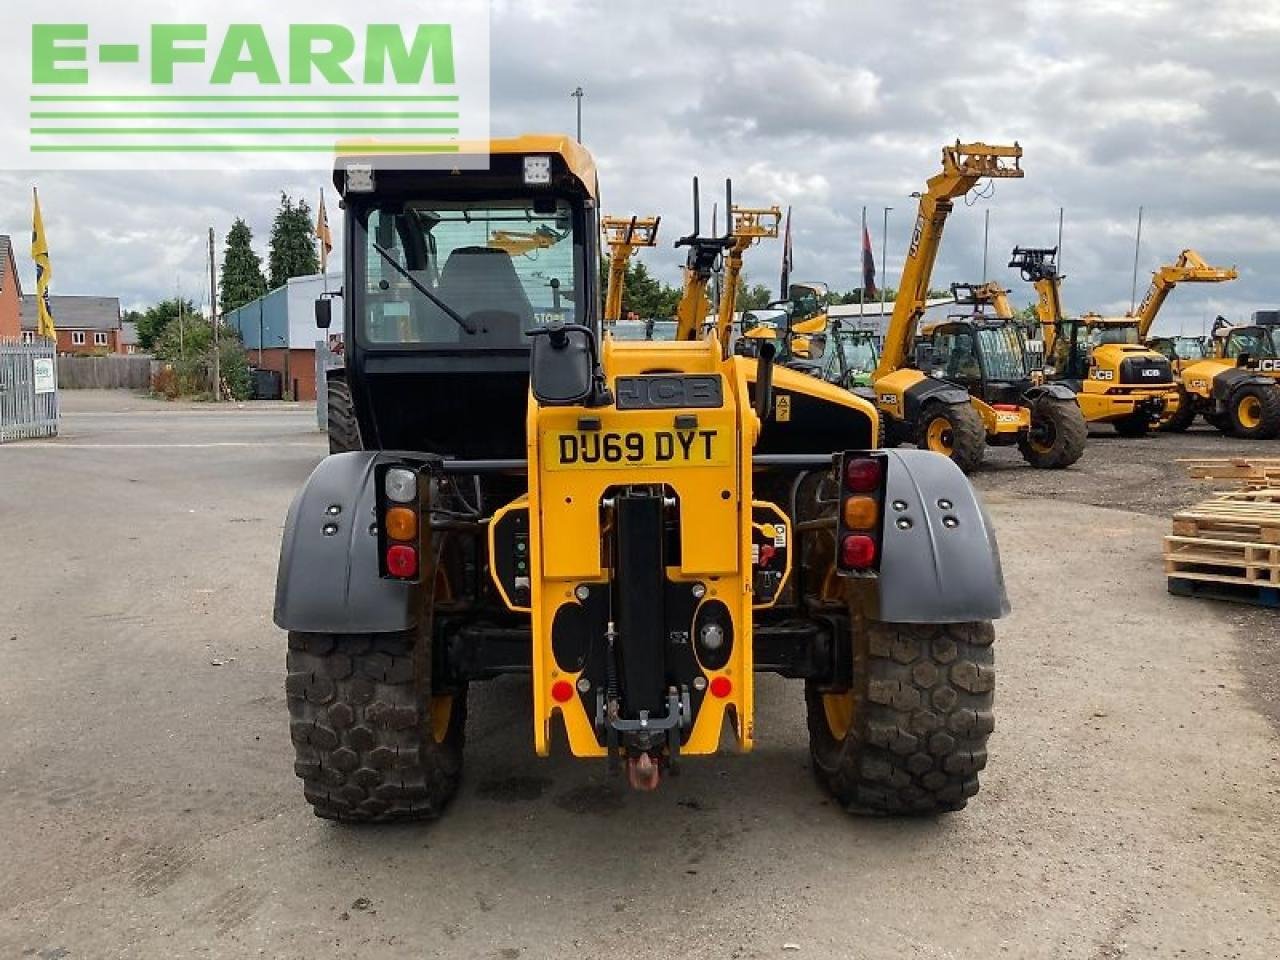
[1133, 426]
[1060, 432]
[1255, 412]
[911, 736]
[344, 431]
[955, 430]
[1183, 417]
[369, 743]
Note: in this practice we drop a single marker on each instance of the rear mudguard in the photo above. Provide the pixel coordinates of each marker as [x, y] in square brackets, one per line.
[328, 580]
[1058, 391]
[1226, 383]
[931, 390]
[939, 559]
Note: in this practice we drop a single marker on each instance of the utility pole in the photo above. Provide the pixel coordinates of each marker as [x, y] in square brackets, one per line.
[182, 342]
[578, 95]
[213, 319]
[884, 264]
[1060, 209]
[1137, 246]
[986, 232]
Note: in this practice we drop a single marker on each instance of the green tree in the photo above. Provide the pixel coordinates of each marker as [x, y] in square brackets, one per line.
[642, 293]
[154, 321]
[293, 249]
[752, 296]
[190, 356]
[242, 279]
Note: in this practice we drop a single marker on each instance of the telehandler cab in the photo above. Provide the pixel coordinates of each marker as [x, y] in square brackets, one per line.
[637, 527]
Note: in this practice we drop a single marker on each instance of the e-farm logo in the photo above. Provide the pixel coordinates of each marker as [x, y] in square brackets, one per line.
[410, 84]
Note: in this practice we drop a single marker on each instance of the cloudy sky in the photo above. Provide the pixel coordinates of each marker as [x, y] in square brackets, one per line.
[827, 107]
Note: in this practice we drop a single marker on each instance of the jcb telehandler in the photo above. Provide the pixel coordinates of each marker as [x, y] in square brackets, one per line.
[1235, 393]
[1252, 352]
[636, 527]
[1117, 379]
[935, 411]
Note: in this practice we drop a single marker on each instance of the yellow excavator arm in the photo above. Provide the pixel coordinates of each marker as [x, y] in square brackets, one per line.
[623, 236]
[1188, 268]
[1038, 266]
[963, 165]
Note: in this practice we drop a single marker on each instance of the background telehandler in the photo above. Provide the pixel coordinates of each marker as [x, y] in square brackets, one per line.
[636, 527]
[1117, 379]
[624, 236]
[936, 412]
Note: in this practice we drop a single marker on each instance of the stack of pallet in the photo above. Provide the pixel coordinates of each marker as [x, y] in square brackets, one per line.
[1228, 547]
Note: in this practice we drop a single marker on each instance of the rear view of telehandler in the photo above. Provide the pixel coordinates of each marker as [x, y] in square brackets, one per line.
[637, 527]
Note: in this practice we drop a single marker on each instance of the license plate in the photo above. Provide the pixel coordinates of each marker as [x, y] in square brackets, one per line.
[607, 449]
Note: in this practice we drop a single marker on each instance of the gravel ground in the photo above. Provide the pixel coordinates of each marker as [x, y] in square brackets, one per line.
[150, 809]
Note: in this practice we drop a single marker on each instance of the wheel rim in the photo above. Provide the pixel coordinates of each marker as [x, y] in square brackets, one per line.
[837, 707]
[1249, 412]
[1042, 436]
[940, 436]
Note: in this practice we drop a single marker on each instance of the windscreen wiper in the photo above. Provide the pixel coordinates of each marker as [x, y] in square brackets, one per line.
[453, 314]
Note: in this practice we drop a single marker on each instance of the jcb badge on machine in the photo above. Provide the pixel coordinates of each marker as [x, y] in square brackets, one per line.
[602, 449]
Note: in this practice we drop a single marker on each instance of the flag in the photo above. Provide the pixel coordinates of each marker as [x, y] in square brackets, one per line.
[868, 267]
[44, 271]
[786, 258]
[324, 235]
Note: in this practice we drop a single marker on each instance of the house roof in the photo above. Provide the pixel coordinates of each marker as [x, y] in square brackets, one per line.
[129, 334]
[6, 256]
[75, 313]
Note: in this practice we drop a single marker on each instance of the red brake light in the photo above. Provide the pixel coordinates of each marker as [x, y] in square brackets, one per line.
[721, 687]
[402, 561]
[562, 691]
[862, 475]
[857, 551]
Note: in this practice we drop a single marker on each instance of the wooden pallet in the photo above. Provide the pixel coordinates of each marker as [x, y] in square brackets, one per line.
[1231, 541]
[1245, 471]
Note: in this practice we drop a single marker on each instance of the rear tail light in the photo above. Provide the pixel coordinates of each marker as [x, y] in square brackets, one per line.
[857, 551]
[400, 485]
[861, 513]
[402, 523]
[402, 561]
[862, 474]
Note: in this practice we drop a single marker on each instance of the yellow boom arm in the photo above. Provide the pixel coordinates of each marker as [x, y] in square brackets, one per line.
[1188, 268]
[750, 225]
[623, 236]
[963, 165]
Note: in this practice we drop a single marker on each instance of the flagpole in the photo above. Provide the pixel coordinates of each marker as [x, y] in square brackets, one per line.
[862, 300]
[213, 318]
[884, 263]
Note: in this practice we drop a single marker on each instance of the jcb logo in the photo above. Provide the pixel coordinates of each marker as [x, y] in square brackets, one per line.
[1269, 366]
[1008, 418]
[888, 400]
[915, 236]
[1104, 374]
[1199, 384]
[1153, 372]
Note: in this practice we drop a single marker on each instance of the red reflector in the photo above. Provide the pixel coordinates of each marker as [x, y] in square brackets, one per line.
[721, 687]
[1004, 406]
[857, 551]
[562, 691]
[402, 561]
[862, 475]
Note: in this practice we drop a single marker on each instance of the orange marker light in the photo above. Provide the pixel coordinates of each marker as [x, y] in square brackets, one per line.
[861, 513]
[402, 523]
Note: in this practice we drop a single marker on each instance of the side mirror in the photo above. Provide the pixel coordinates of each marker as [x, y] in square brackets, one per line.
[563, 366]
[324, 313]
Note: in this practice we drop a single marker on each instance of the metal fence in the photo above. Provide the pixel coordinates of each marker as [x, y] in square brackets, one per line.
[28, 390]
[326, 359]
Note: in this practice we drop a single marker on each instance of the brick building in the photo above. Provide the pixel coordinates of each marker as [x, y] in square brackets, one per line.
[10, 291]
[86, 325]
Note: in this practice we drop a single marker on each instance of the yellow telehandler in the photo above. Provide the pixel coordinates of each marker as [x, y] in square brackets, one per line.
[921, 397]
[635, 527]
